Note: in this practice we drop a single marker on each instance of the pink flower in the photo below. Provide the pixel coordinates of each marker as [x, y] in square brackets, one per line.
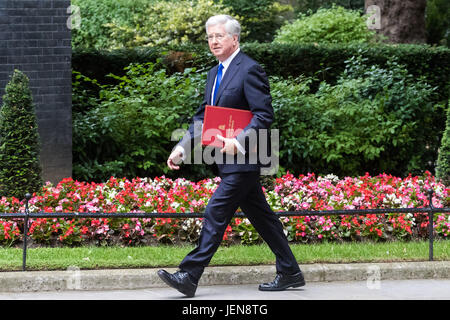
[305, 206]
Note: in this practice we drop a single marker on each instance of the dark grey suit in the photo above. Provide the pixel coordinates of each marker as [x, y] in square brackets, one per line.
[244, 85]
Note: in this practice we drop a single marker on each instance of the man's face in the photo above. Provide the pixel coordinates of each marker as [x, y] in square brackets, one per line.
[221, 44]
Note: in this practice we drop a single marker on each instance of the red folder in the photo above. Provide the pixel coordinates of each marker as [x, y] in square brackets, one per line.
[228, 122]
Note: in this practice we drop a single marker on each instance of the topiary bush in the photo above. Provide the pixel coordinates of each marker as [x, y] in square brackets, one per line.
[443, 161]
[20, 169]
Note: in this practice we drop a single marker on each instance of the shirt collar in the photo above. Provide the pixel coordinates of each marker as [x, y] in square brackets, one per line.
[227, 62]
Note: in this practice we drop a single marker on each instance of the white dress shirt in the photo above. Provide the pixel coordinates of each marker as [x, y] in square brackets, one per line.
[225, 65]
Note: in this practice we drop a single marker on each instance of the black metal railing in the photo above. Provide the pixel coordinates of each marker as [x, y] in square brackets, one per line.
[431, 210]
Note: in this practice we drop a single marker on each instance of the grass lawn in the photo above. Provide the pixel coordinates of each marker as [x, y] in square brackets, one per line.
[171, 256]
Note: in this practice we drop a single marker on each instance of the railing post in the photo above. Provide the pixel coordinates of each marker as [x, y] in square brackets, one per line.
[430, 224]
[25, 232]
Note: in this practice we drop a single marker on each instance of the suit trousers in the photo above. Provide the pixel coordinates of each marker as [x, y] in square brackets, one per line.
[244, 190]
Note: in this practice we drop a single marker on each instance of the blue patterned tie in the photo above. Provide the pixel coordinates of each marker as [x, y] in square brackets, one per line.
[219, 78]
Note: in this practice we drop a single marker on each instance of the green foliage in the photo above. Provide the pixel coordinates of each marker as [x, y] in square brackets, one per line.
[20, 170]
[297, 73]
[96, 14]
[372, 120]
[334, 25]
[129, 129]
[246, 231]
[117, 24]
[438, 22]
[313, 5]
[443, 161]
[260, 17]
[166, 23]
[326, 61]
[409, 99]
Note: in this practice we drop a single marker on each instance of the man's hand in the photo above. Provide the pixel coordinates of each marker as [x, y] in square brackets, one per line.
[229, 145]
[174, 160]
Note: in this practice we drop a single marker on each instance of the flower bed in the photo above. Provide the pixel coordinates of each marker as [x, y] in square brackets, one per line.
[305, 192]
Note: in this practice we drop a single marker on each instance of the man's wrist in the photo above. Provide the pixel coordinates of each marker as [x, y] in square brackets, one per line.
[179, 148]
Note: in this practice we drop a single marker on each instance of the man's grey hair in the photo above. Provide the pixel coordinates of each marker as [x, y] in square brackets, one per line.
[232, 26]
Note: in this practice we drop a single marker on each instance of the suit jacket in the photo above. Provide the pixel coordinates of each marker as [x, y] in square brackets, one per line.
[244, 86]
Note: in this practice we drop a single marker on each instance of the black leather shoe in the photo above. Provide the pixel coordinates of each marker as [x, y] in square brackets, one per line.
[179, 280]
[284, 281]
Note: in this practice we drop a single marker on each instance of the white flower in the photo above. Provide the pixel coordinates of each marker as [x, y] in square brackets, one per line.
[332, 177]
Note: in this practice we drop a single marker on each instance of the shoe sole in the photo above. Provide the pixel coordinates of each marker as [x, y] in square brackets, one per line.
[292, 285]
[174, 285]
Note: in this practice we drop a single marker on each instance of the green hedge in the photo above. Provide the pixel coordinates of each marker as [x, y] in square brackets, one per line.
[325, 62]
[96, 64]
[340, 109]
[374, 119]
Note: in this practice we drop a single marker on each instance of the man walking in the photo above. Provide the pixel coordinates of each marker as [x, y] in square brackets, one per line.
[237, 82]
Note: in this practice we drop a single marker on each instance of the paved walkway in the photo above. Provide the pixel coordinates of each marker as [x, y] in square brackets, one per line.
[421, 289]
[135, 279]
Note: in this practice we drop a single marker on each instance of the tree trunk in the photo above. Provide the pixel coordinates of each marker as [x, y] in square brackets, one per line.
[402, 21]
